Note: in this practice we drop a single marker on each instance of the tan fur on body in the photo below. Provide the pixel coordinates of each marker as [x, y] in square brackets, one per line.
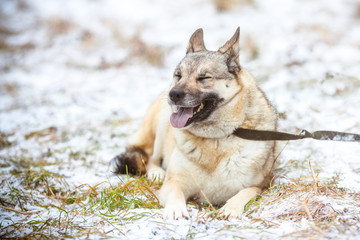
[204, 157]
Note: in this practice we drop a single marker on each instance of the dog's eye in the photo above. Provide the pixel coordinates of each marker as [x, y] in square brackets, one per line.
[200, 79]
[177, 75]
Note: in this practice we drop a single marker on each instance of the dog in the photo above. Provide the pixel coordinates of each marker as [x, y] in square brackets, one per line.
[188, 131]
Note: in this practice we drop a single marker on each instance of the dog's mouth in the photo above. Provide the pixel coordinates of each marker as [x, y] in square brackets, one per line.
[183, 116]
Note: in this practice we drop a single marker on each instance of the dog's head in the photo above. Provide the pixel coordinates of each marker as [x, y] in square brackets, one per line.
[204, 81]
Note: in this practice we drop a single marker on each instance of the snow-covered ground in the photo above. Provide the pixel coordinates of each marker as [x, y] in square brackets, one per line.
[76, 76]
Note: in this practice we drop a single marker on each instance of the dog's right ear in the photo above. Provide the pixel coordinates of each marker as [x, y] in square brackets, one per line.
[196, 42]
[231, 49]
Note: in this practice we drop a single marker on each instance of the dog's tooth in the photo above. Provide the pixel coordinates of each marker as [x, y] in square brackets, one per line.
[201, 106]
[175, 109]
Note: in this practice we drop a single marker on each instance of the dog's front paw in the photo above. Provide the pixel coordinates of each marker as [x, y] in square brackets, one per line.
[156, 174]
[175, 212]
[229, 211]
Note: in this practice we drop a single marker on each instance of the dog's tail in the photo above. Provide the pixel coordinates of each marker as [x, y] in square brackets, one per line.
[132, 161]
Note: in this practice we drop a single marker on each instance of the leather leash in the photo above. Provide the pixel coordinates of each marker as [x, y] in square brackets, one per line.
[264, 135]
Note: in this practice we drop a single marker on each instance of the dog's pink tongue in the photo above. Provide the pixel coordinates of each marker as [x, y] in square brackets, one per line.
[180, 118]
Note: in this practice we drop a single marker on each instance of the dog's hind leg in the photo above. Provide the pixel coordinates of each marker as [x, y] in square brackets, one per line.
[154, 168]
[141, 145]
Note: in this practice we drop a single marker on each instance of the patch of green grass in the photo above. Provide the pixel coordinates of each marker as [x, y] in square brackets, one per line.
[136, 193]
[253, 202]
[112, 204]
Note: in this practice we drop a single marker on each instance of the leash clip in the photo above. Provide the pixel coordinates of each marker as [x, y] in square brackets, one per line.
[306, 134]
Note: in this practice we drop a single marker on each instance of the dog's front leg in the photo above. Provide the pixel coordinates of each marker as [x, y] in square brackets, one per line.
[174, 201]
[154, 172]
[178, 186]
[234, 207]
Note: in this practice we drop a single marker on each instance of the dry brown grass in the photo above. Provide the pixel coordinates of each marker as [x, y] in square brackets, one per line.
[250, 47]
[223, 5]
[58, 26]
[50, 132]
[153, 54]
[226, 5]
[311, 199]
[9, 88]
[357, 11]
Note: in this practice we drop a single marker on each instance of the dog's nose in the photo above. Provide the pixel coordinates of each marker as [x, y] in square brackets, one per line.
[176, 94]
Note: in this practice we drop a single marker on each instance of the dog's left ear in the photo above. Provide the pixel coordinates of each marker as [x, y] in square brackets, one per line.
[231, 49]
[196, 42]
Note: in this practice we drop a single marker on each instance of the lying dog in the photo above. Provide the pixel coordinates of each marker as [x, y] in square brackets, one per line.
[188, 132]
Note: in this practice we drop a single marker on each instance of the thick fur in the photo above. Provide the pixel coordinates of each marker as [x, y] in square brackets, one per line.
[203, 159]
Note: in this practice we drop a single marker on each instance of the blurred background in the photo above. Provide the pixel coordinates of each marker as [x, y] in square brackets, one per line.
[66, 59]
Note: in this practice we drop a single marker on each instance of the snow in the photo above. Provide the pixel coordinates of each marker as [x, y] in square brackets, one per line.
[307, 63]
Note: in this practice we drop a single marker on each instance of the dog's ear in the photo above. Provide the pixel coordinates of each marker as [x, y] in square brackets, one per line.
[231, 49]
[196, 42]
